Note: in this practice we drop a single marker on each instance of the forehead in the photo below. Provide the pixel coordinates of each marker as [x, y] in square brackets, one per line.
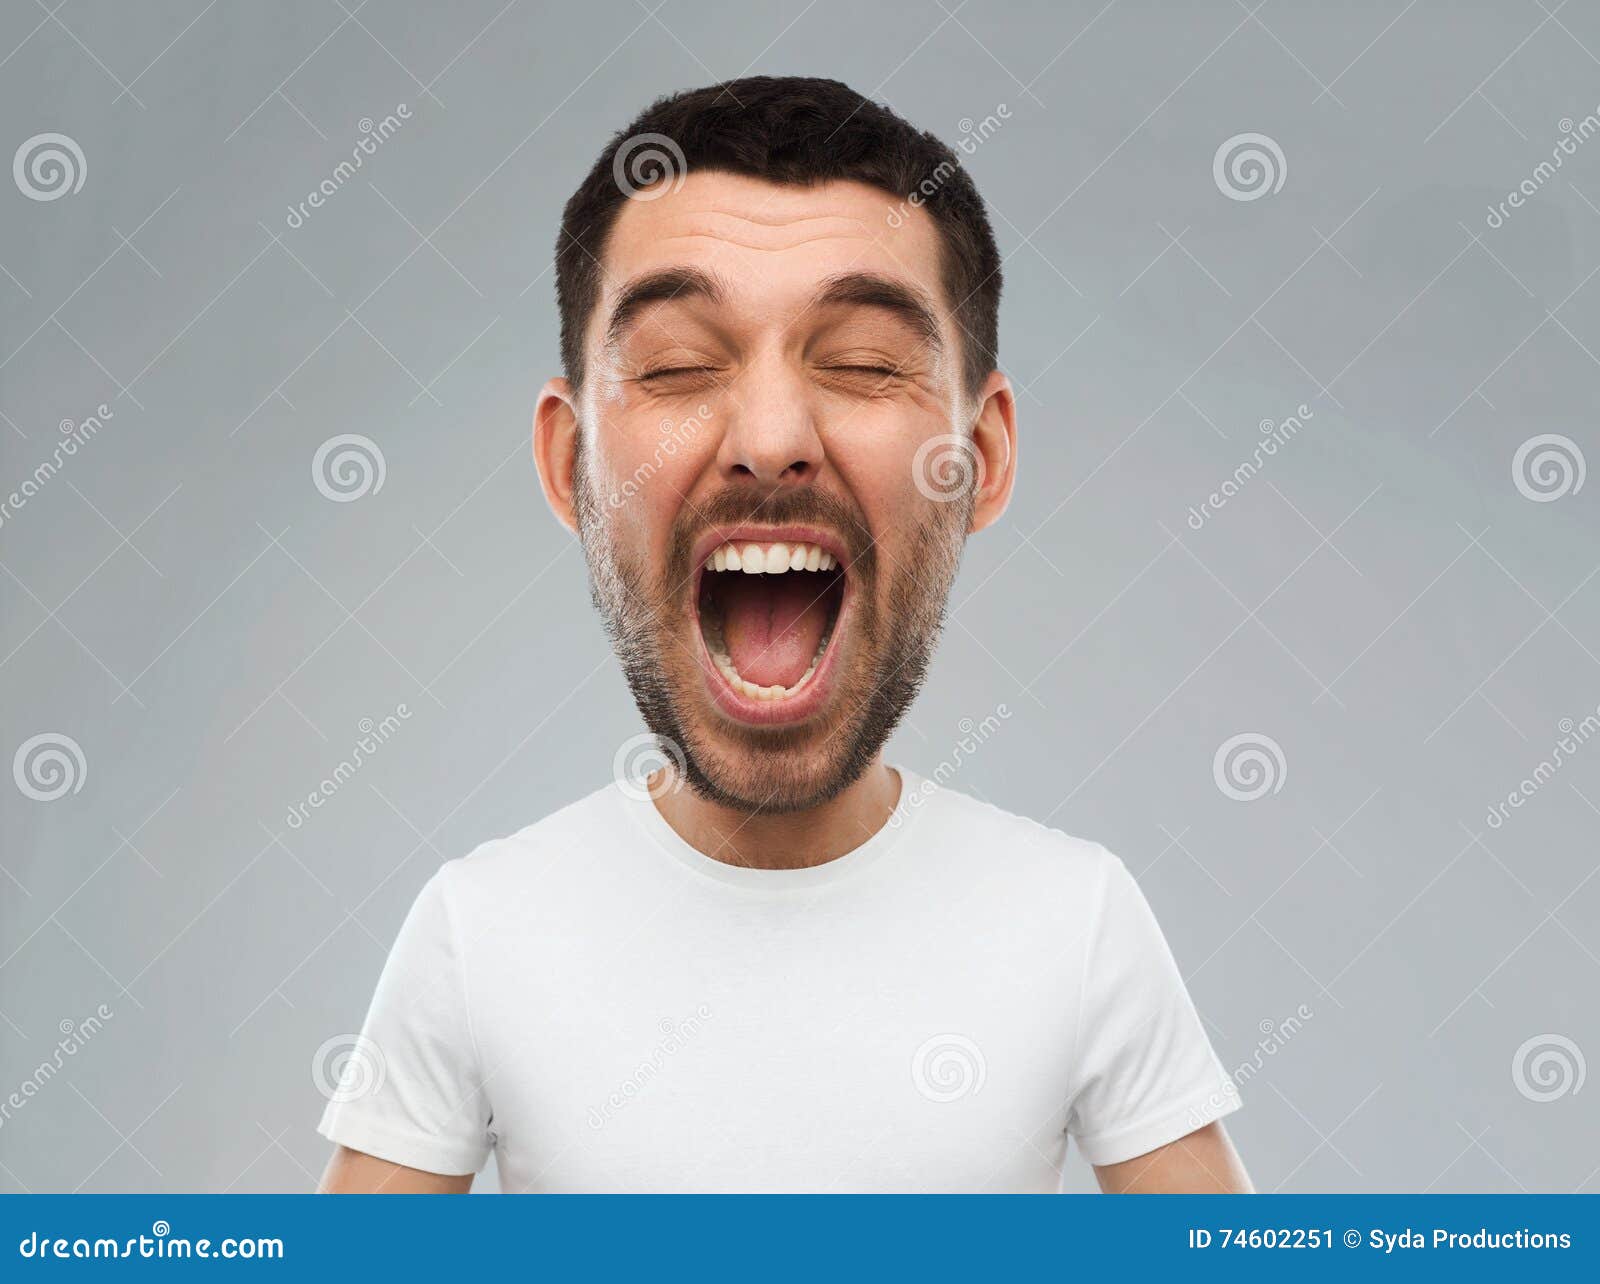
[771, 243]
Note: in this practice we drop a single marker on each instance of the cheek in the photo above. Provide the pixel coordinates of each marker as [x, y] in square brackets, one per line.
[874, 455]
[646, 464]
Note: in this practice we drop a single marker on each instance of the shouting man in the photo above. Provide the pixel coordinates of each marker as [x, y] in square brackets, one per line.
[777, 962]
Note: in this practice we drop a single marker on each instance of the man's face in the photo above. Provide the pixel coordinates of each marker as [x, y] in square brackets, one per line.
[771, 525]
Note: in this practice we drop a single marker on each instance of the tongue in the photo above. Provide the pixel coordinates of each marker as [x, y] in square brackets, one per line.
[772, 625]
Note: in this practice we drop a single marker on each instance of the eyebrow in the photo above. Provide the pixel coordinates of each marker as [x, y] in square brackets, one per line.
[849, 289]
[871, 290]
[659, 287]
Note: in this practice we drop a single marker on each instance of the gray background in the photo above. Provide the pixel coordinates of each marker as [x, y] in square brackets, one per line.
[1381, 601]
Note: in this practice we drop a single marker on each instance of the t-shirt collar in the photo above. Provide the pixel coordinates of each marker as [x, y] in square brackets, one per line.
[642, 811]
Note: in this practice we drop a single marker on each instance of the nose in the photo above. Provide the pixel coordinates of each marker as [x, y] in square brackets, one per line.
[770, 436]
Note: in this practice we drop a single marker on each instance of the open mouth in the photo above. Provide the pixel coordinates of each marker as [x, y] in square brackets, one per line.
[768, 612]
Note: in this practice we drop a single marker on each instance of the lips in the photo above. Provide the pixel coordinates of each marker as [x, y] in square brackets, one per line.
[771, 606]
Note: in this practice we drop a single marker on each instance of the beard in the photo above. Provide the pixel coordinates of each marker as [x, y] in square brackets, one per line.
[648, 613]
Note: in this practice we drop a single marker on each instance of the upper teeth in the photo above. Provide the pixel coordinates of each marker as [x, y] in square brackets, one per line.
[770, 559]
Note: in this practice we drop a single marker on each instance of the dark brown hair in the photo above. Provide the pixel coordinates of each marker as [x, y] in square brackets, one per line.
[799, 130]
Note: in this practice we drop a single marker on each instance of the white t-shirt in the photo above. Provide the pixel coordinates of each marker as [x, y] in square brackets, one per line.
[609, 1009]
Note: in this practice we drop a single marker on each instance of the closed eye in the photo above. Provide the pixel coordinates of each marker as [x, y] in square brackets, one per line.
[676, 370]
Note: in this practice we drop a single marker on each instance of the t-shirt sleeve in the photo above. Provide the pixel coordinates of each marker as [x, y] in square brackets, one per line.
[1146, 1072]
[413, 1093]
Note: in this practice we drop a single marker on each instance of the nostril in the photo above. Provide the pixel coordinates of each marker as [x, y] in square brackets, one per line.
[799, 468]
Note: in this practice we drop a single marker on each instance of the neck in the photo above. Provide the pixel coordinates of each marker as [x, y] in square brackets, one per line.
[791, 840]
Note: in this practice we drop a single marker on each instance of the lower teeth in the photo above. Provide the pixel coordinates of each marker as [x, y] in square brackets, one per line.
[724, 662]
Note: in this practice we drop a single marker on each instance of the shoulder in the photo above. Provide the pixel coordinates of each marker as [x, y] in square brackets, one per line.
[504, 866]
[1034, 854]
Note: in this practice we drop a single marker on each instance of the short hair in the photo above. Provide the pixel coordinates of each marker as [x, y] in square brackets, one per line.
[798, 130]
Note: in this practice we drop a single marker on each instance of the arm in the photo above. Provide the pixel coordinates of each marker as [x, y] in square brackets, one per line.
[1203, 1163]
[408, 1112]
[351, 1172]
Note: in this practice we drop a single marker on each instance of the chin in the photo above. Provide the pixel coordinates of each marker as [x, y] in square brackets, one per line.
[768, 780]
[772, 770]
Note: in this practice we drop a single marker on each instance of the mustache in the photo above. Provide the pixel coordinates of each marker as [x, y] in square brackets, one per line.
[735, 506]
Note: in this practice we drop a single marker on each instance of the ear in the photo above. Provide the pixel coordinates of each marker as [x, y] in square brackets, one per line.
[555, 447]
[994, 437]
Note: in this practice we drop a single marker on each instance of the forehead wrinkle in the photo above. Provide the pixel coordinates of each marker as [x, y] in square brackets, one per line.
[750, 220]
[779, 221]
[794, 243]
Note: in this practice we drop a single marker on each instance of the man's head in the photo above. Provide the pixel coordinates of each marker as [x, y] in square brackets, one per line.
[779, 307]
